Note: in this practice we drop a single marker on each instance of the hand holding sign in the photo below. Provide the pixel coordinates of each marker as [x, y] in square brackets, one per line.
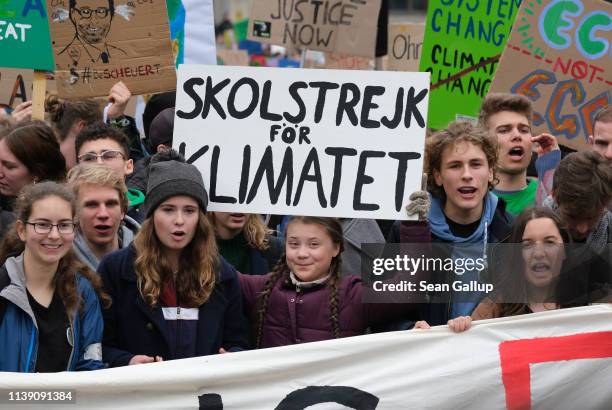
[23, 111]
[142, 359]
[420, 202]
[119, 96]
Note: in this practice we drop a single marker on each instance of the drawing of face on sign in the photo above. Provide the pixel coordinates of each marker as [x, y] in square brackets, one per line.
[92, 19]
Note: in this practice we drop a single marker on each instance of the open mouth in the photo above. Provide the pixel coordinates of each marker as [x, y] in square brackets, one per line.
[540, 267]
[103, 229]
[516, 153]
[467, 192]
[178, 235]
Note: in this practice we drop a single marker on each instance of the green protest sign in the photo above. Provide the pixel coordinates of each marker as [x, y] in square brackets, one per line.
[24, 35]
[463, 42]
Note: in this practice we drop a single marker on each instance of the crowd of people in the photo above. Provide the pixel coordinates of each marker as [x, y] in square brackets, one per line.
[109, 256]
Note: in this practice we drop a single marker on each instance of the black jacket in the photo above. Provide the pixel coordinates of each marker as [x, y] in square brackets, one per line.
[132, 327]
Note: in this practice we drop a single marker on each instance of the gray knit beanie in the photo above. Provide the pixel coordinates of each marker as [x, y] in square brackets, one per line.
[172, 178]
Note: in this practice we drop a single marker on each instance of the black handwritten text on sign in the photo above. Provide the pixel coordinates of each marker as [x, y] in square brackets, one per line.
[332, 143]
[343, 26]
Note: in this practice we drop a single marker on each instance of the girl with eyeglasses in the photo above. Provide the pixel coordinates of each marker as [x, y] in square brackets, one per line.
[50, 314]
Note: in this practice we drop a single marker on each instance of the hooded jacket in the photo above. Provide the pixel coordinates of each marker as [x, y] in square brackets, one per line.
[127, 232]
[495, 226]
[19, 331]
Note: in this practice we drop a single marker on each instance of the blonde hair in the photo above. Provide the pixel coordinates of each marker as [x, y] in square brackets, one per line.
[99, 175]
[254, 231]
[198, 263]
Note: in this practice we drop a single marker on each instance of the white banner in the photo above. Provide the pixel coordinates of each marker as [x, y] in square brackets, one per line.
[554, 360]
[304, 142]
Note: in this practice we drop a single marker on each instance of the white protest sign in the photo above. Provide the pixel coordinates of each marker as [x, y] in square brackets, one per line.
[304, 142]
[555, 359]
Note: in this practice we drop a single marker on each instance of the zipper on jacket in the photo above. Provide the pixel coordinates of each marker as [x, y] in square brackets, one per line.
[178, 324]
[30, 348]
[72, 328]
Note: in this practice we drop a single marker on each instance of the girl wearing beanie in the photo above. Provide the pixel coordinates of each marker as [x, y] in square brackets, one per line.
[173, 296]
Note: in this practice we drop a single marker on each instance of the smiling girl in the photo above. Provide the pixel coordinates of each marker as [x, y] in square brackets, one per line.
[52, 320]
[173, 295]
[305, 298]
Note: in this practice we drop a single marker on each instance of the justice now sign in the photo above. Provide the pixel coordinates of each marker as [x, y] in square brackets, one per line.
[304, 142]
[558, 359]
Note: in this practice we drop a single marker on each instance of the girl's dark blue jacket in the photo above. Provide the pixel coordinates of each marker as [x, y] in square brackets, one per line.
[132, 327]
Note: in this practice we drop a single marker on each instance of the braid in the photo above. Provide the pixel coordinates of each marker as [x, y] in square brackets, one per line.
[280, 267]
[335, 269]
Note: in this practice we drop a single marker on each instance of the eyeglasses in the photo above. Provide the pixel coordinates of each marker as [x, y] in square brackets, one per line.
[64, 228]
[108, 155]
[86, 12]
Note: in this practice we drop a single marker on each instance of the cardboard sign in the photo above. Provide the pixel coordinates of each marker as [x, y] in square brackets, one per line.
[559, 57]
[303, 142]
[15, 87]
[337, 61]
[405, 46]
[232, 57]
[341, 26]
[462, 45]
[24, 35]
[99, 42]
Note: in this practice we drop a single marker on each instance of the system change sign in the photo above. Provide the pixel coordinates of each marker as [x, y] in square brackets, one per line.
[304, 142]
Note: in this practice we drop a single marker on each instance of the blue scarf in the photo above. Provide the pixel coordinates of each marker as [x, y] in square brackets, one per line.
[439, 227]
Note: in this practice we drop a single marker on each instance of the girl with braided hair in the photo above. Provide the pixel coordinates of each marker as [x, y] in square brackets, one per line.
[305, 298]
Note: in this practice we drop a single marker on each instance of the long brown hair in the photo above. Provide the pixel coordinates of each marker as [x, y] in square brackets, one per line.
[334, 229]
[199, 262]
[254, 231]
[515, 286]
[69, 266]
[35, 146]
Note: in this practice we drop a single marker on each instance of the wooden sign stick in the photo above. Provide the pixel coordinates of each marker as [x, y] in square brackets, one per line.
[38, 95]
